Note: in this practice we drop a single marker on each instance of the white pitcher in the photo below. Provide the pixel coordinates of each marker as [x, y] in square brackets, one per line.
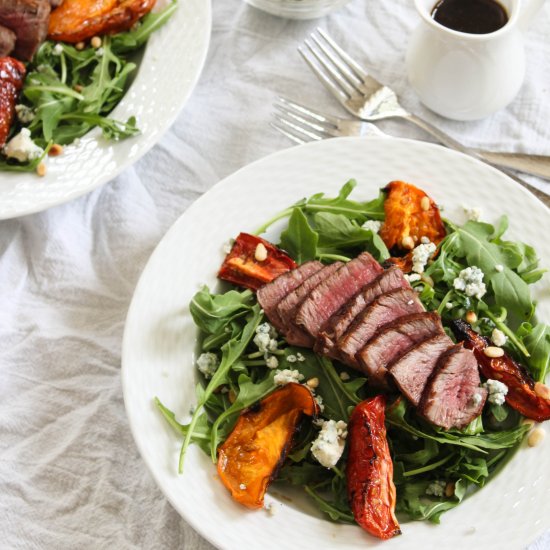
[468, 76]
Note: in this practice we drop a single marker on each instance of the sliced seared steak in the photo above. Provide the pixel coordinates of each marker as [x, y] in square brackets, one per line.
[287, 308]
[390, 279]
[272, 293]
[411, 371]
[383, 310]
[7, 41]
[452, 397]
[28, 19]
[327, 298]
[393, 341]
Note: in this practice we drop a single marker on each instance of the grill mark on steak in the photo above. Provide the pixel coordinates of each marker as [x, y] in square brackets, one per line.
[448, 398]
[270, 295]
[288, 307]
[393, 341]
[336, 326]
[383, 310]
[28, 19]
[7, 41]
[327, 298]
[411, 371]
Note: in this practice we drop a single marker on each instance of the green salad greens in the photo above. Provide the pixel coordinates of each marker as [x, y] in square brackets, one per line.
[68, 91]
[434, 469]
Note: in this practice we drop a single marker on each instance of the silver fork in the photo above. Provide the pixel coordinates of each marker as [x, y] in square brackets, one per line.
[366, 98]
[301, 124]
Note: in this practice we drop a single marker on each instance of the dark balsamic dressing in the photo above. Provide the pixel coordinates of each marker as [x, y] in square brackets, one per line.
[470, 16]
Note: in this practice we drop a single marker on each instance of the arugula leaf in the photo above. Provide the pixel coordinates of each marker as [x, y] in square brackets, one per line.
[472, 241]
[537, 342]
[299, 239]
[213, 312]
[335, 512]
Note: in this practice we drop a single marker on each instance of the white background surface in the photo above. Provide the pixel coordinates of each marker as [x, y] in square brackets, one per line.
[70, 473]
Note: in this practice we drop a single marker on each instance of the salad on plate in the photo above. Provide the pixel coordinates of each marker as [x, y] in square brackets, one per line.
[386, 360]
[64, 66]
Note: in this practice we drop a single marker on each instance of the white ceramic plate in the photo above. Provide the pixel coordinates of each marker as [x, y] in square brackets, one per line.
[167, 74]
[159, 343]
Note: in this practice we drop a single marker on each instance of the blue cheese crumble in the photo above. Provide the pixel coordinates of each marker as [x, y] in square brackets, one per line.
[207, 363]
[22, 148]
[329, 445]
[436, 488]
[420, 256]
[372, 225]
[287, 376]
[497, 391]
[470, 281]
[266, 338]
[473, 214]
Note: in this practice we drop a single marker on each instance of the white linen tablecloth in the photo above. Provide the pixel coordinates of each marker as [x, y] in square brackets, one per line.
[70, 474]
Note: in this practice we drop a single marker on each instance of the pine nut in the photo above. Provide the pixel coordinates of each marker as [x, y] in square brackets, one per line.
[449, 489]
[535, 437]
[41, 169]
[78, 88]
[55, 150]
[312, 383]
[407, 242]
[542, 390]
[471, 317]
[232, 396]
[95, 42]
[425, 203]
[80, 45]
[493, 351]
[261, 253]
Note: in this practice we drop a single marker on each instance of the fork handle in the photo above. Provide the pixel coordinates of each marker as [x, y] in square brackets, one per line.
[536, 165]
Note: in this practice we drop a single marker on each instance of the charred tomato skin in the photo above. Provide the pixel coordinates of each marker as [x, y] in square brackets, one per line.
[369, 471]
[242, 268]
[12, 76]
[521, 394]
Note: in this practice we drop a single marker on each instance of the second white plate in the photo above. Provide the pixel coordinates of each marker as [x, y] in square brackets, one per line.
[170, 68]
[160, 337]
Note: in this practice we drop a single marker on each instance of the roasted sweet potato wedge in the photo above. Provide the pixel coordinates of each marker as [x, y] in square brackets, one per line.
[78, 20]
[410, 215]
[251, 456]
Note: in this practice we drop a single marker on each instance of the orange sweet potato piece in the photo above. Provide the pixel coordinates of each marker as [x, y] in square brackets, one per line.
[251, 456]
[410, 215]
[78, 20]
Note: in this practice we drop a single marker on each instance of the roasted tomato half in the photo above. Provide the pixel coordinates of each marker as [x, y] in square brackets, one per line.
[369, 471]
[251, 456]
[253, 262]
[522, 390]
[12, 76]
[78, 20]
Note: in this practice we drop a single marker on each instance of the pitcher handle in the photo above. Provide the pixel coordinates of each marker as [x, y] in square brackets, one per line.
[528, 10]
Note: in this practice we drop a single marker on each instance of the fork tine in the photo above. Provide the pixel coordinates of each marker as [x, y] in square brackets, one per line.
[360, 73]
[312, 133]
[287, 117]
[327, 82]
[330, 70]
[288, 134]
[316, 115]
[346, 70]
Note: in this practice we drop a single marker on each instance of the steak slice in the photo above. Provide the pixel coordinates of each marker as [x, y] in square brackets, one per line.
[452, 397]
[327, 298]
[287, 308]
[383, 310]
[411, 371]
[390, 279]
[272, 293]
[393, 341]
[7, 41]
[28, 19]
